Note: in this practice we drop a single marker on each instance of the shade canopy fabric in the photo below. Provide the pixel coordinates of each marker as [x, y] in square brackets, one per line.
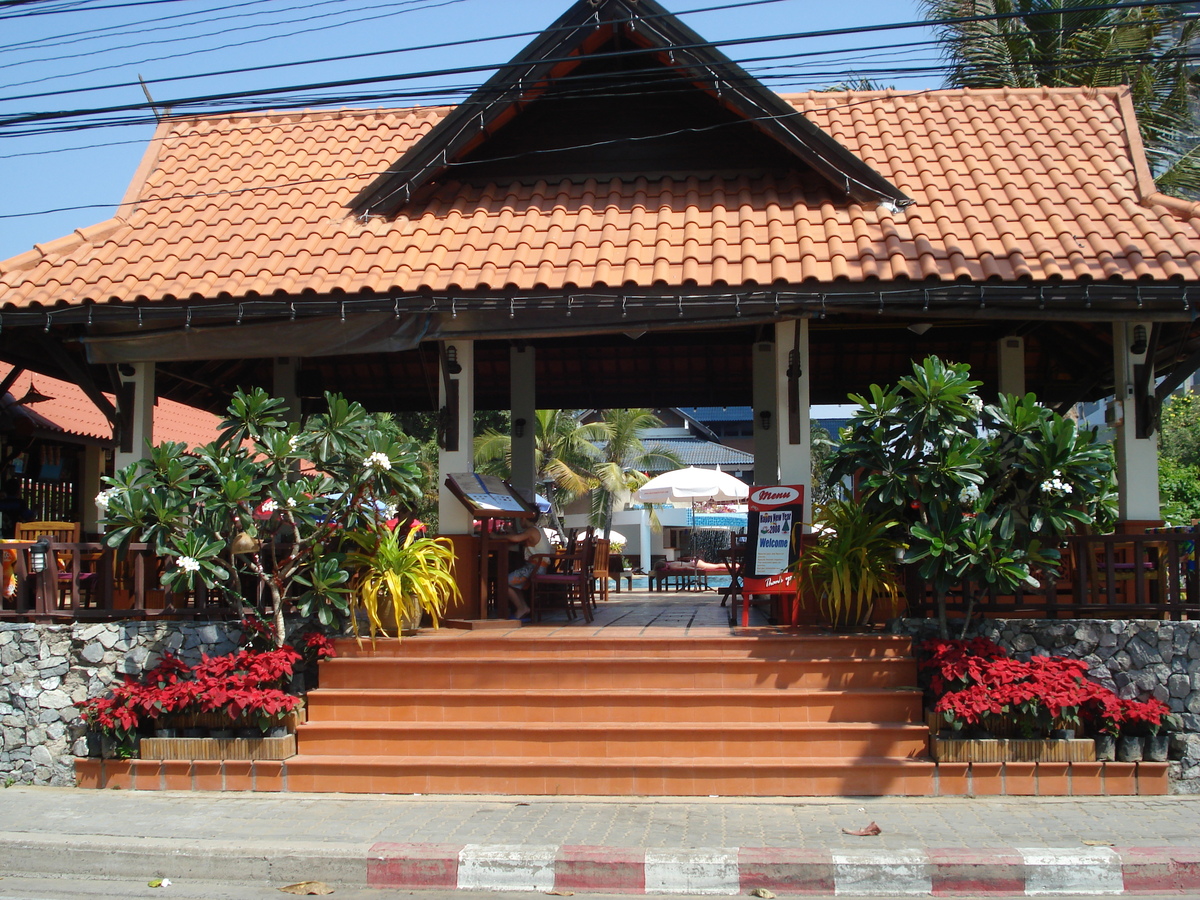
[692, 483]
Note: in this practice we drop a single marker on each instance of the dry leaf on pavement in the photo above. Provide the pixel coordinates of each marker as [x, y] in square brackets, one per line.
[763, 893]
[869, 831]
[309, 888]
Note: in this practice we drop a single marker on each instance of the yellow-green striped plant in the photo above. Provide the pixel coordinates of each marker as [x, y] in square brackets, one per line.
[853, 565]
[401, 574]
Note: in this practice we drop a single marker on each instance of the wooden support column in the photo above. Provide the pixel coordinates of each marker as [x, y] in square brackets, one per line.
[794, 435]
[285, 372]
[456, 398]
[1137, 457]
[767, 420]
[523, 401]
[1010, 353]
[135, 406]
[95, 463]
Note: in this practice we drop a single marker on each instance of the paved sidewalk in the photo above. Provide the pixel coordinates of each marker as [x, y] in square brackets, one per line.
[617, 845]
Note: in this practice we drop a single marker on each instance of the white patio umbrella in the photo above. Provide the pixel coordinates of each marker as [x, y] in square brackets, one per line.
[692, 484]
[614, 537]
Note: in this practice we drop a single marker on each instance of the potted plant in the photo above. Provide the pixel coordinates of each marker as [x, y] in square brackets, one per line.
[401, 575]
[1146, 735]
[853, 565]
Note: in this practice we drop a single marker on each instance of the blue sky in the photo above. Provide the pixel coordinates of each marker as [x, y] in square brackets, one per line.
[76, 50]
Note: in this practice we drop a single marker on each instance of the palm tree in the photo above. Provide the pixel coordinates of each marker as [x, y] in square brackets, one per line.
[1064, 43]
[625, 457]
[565, 455]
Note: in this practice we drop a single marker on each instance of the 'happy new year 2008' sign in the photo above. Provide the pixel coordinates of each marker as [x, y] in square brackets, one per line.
[775, 515]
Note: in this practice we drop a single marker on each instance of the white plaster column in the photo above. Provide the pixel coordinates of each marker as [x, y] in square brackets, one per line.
[766, 414]
[1137, 458]
[1010, 356]
[285, 372]
[136, 397]
[94, 462]
[794, 439]
[523, 403]
[453, 517]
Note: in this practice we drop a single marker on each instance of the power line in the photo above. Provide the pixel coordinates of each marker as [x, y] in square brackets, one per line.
[342, 59]
[26, 118]
[413, 6]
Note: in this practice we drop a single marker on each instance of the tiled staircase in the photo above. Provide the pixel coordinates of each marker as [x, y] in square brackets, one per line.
[773, 715]
[529, 713]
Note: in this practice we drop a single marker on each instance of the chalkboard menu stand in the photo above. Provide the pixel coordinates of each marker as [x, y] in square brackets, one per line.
[488, 499]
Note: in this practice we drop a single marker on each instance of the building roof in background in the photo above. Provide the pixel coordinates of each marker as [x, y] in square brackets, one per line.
[70, 414]
[697, 452]
[720, 413]
[1010, 185]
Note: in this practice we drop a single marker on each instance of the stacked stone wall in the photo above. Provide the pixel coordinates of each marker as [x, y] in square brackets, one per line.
[46, 669]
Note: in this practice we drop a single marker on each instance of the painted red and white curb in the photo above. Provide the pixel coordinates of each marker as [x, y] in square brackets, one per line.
[738, 870]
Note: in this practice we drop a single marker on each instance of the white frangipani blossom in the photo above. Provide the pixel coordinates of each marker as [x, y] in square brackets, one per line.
[968, 495]
[378, 461]
[188, 564]
[106, 497]
[269, 506]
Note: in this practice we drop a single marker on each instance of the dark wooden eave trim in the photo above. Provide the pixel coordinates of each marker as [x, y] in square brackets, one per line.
[562, 46]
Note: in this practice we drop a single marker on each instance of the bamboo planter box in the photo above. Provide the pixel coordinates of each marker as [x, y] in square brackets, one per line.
[1013, 750]
[218, 748]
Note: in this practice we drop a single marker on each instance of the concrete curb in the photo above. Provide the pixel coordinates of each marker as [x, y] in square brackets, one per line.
[725, 871]
[732, 871]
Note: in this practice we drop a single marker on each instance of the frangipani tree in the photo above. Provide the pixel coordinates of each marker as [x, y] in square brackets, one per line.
[268, 499]
[981, 494]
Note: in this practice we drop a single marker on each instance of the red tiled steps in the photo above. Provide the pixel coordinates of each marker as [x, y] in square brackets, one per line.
[516, 673]
[731, 715]
[588, 740]
[532, 643]
[764, 706]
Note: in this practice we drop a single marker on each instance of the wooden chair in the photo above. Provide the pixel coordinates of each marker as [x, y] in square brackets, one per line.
[68, 569]
[568, 578]
[600, 560]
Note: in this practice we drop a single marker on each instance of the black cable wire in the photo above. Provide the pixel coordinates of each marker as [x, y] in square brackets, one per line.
[75, 37]
[343, 59]
[24, 118]
[410, 6]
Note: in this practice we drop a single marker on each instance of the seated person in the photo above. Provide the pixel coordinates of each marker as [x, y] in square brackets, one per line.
[534, 542]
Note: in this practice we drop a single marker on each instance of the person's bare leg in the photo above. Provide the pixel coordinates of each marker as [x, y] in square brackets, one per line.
[516, 602]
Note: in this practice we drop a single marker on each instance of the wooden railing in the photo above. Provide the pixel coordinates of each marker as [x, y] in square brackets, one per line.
[1112, 576]
[85, 581]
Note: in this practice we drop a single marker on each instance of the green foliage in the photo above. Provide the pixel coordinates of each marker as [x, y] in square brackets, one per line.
[1069, 43]
[1179, 458]
[625, 458]
[267, 499]
[853, 564]
[401, 574]
[981, 494]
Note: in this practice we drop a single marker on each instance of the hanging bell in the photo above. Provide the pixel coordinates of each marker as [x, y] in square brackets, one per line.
[244, 543]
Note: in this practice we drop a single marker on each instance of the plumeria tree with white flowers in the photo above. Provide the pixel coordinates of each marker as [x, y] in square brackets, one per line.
[981, 494]
[269, 502]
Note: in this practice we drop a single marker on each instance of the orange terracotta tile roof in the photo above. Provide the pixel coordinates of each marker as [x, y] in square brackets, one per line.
[70, 412]
[1040, 184]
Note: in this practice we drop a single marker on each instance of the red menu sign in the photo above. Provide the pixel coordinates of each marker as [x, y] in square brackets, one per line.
[776, 514]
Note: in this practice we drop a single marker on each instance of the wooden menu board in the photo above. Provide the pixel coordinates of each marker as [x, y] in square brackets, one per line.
[487, 498]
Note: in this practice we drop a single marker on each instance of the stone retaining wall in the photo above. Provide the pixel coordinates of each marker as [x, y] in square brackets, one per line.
[1137, 658]
[46, 669]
